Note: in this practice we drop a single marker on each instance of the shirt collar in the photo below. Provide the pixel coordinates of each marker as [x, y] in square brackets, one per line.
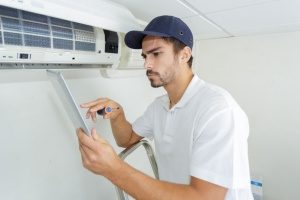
[190, 91]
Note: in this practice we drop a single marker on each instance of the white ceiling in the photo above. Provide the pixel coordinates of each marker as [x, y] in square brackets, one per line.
[223, 18]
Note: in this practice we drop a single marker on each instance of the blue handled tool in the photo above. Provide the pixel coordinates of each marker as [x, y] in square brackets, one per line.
[105, 110]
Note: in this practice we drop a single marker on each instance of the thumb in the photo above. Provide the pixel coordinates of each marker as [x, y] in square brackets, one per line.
[95, 136]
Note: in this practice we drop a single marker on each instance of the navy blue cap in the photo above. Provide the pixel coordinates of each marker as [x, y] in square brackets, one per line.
[162, 26]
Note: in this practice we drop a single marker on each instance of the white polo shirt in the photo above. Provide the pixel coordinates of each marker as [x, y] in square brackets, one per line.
[204, 135]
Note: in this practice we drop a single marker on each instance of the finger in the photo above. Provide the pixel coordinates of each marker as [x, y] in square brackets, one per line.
[86, 151]
[86, 156]
[80, 131]
[89, 104]
[80, 135]
[99, 106]
[92, 103]
[93, 114]
[83, 154]
[85, 141]
[94, 134]
[97, 137]
[88, 114]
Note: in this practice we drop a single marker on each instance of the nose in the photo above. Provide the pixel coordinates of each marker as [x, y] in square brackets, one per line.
[148, 63]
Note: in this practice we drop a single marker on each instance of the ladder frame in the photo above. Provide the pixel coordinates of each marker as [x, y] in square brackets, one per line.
[150, 153]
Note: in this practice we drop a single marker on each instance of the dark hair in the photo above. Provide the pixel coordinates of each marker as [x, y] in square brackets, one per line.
[177, 46]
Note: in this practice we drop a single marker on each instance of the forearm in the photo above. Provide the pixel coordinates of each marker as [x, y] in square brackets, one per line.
[143, 187]
[99, 157]
[122, 130]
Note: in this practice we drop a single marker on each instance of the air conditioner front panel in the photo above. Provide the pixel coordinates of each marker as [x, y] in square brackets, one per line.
[27, 37]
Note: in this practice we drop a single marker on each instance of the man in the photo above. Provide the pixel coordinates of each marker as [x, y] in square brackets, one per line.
[200, 132]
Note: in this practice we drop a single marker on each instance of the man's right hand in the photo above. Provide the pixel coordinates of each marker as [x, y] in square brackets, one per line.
[100, 104]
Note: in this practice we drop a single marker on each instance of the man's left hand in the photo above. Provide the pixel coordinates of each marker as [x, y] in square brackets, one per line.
[97, 154]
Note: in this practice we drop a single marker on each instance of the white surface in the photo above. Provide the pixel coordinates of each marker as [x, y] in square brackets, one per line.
[38, 147]
[145, 10]
[203, 30]
[98, 13]
[214, 6]
[39, 151]
[262, 73]
[234, 17]
[276, 16]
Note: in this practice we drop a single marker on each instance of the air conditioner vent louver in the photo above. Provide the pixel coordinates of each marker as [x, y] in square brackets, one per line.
[24, 28]
[8, 12]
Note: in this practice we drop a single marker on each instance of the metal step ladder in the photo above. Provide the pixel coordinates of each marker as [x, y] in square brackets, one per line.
[150, 153]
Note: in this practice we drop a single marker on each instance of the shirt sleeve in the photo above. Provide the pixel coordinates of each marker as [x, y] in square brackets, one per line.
[143, 126]
[220, 150]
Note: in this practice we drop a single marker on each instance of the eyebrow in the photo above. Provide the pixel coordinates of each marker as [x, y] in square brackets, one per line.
[151, 51]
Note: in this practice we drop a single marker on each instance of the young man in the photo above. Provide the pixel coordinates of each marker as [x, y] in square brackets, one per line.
[200, 132]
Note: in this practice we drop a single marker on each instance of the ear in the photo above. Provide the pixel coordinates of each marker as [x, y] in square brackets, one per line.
[185, 54]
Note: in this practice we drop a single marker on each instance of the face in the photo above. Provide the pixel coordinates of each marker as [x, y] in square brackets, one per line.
[160, 61]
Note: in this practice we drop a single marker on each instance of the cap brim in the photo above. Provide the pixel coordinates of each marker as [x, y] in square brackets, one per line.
[133, 39]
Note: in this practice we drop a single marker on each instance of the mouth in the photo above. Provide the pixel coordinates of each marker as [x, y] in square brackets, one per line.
[150, 73]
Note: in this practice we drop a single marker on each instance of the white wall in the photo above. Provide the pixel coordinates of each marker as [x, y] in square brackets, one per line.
[263, 74]
[39, 151]
[38, 147]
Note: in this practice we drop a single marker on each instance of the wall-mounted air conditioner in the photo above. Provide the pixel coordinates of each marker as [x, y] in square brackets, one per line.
[64, 34]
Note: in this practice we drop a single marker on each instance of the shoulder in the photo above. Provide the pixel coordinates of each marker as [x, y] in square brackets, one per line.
[212, 95]
[218, 113]
[211, 100]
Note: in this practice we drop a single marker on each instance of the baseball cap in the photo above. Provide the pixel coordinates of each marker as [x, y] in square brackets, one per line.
[161, 26]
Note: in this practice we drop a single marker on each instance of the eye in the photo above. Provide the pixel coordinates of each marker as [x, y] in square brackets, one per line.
[156, 54]
[144, 56]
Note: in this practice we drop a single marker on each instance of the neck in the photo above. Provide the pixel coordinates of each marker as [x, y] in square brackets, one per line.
[177, 87]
